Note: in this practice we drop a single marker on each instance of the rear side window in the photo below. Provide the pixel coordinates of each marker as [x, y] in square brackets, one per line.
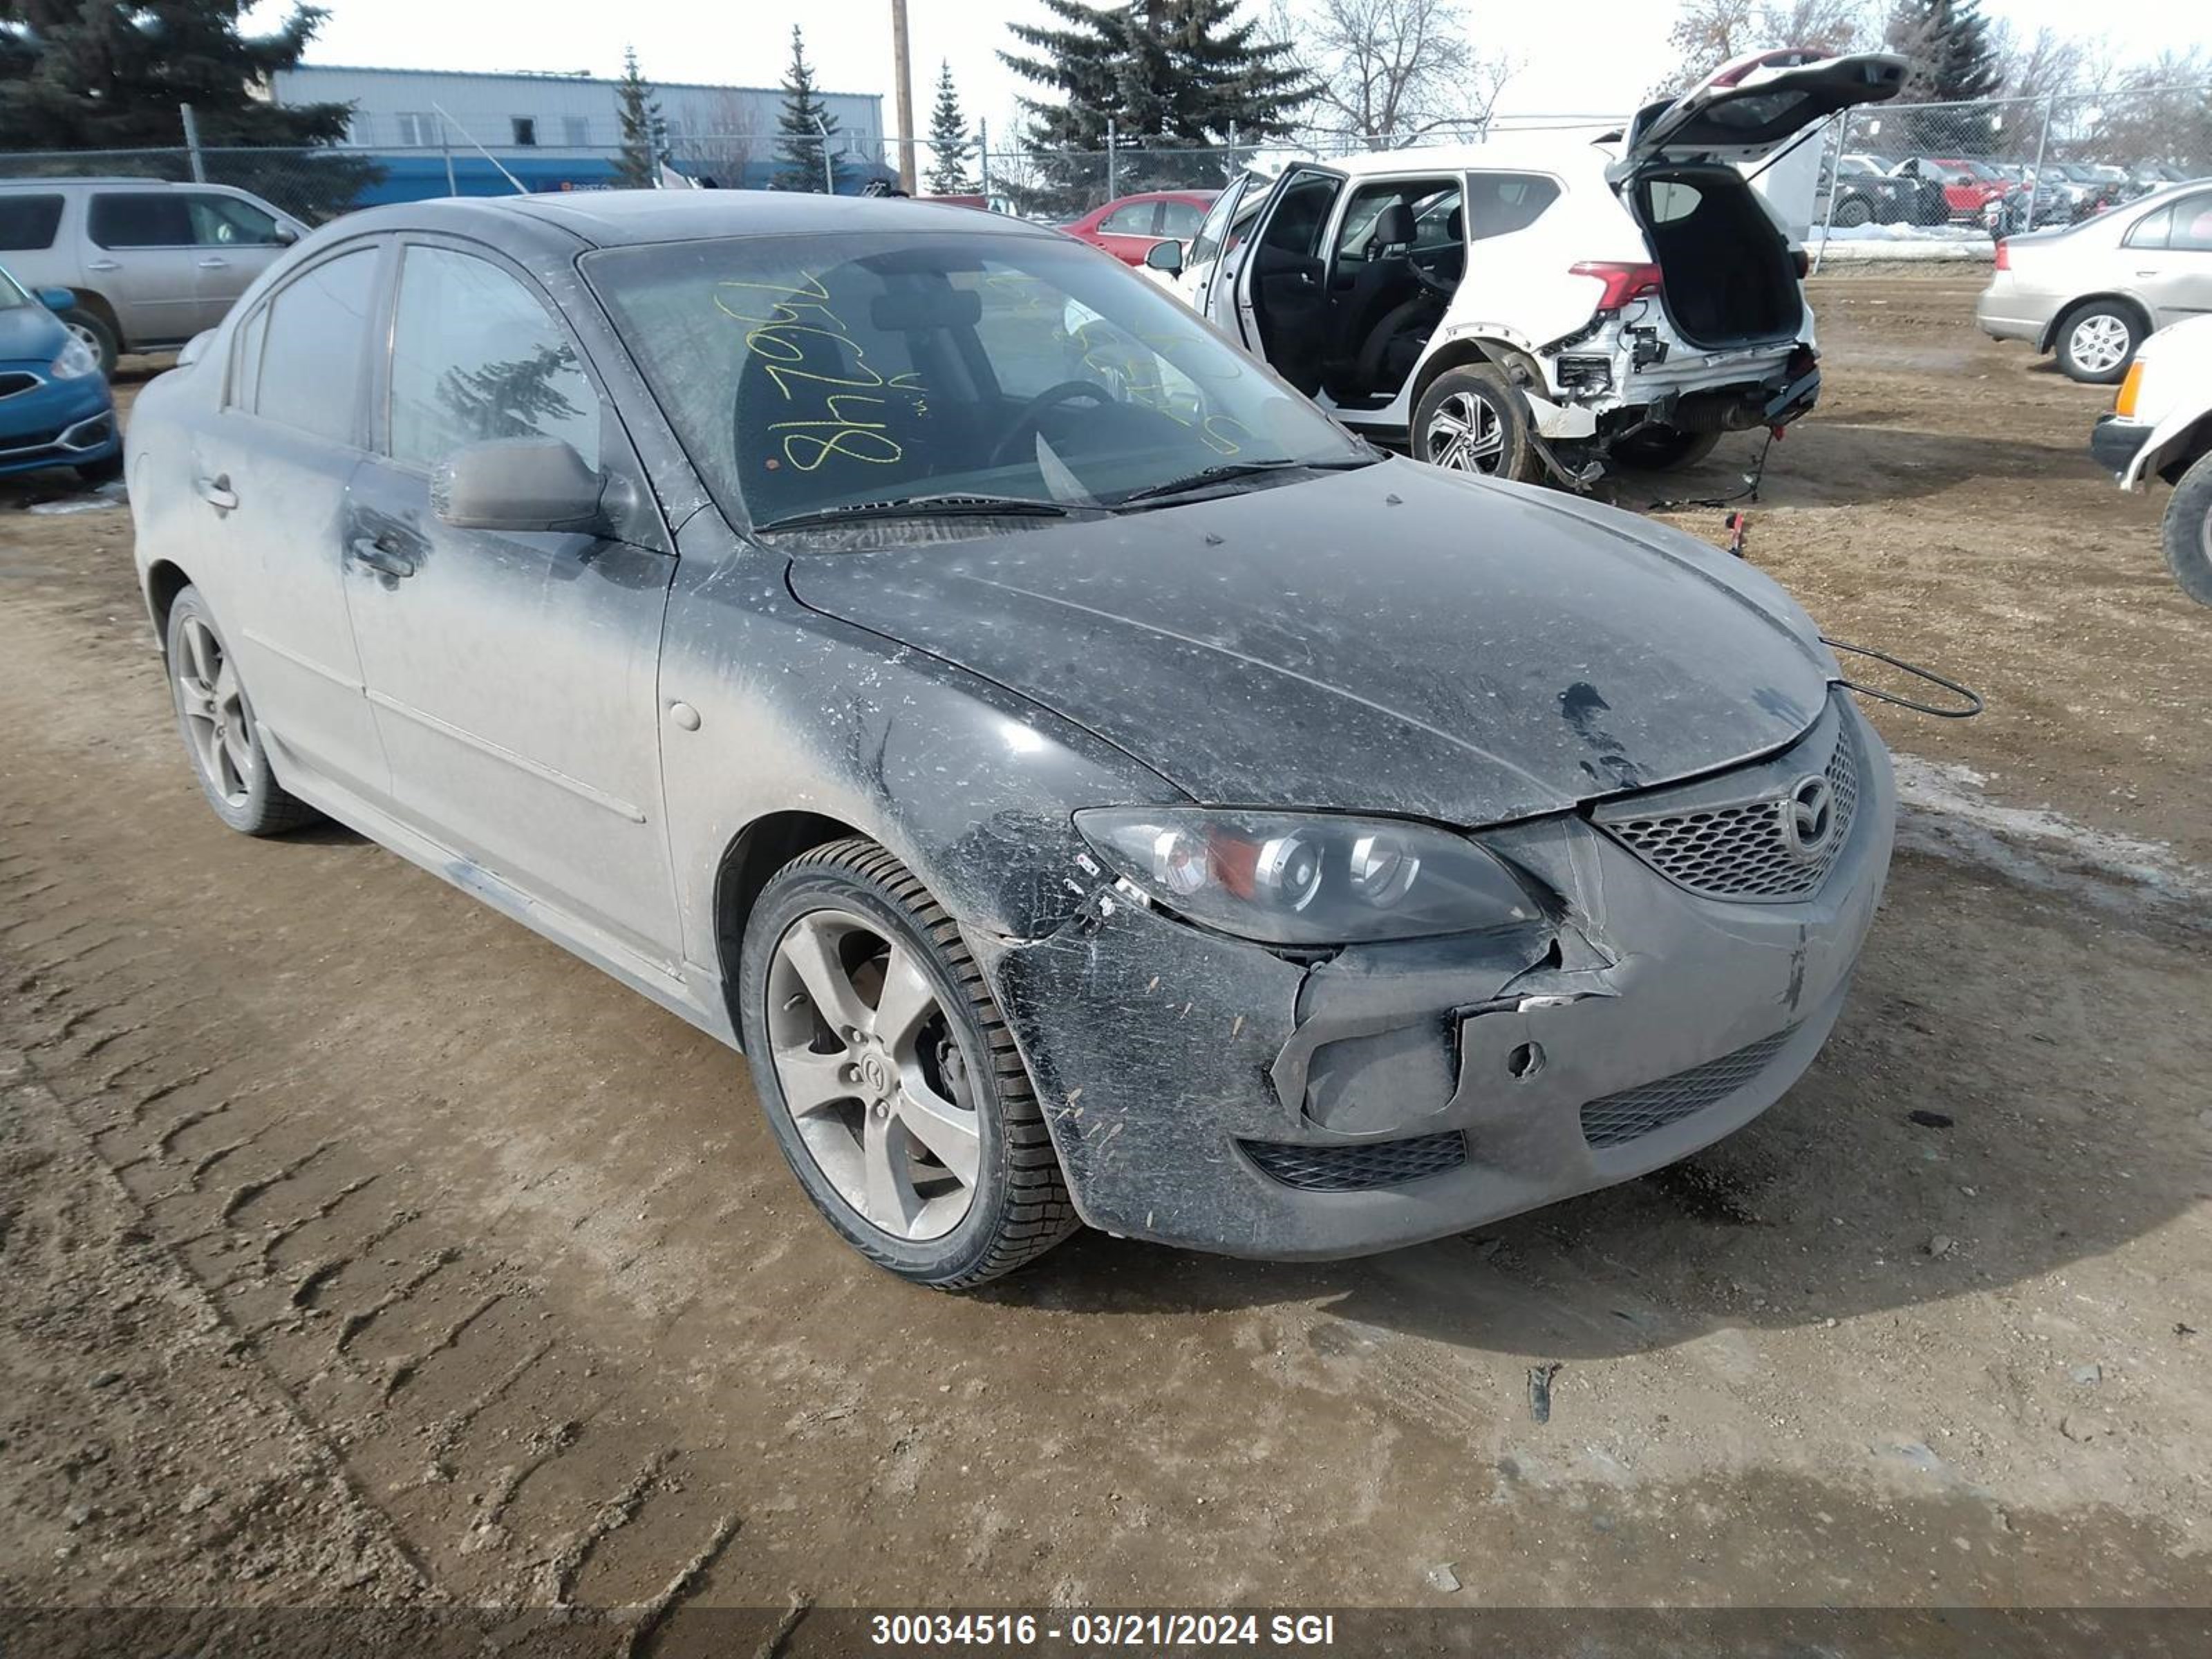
[132, 218]
[2152, 230]
[2193, 224]
[1499, 203]
[29, 221]
[475, 356]
[311, 357]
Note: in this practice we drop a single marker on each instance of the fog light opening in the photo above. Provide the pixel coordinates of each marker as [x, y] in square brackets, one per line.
[1525, 1061]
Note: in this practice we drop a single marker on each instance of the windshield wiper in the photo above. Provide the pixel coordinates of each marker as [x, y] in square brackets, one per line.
[1228, 471]
[925, 507]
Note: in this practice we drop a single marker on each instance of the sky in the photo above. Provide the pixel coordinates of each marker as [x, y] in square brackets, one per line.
[1583, 57]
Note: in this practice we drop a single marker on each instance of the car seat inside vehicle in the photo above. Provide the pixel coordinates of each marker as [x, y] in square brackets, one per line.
[1400, 253]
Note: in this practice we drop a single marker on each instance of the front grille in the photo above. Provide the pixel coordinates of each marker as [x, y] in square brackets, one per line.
[22, 443]
[15, 380]
[1744, 849]
[1357, 1168]
[1616, 1120]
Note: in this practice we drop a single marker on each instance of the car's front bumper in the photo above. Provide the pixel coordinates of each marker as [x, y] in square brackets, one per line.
[2115, 443]
[1207, 1093]
[58, 423]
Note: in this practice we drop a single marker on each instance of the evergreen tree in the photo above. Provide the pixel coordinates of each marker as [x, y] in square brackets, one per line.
[638, 166]
[1171, 75]
[99, 75]
[805, 127]
[1948, 44]
[950, 146]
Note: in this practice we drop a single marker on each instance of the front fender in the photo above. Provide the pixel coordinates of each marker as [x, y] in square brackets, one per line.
[2174, 437]
[972, 787]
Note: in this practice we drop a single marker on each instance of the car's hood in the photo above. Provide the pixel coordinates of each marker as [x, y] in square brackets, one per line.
[1396, 639]
[30, 334]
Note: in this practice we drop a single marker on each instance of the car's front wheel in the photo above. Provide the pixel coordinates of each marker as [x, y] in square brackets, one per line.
[217, 721]
[892, 1086]
[99, 339]
[2097, 341]
[1852, 211]
[2188, 531]
[1472, 419]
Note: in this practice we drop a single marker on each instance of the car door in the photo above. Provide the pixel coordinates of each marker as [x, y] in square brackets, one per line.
[269, 470]
[1281, 304]
[2168, 258]
[237, 242]
[514, 674]
[141, 254]
[1202, 266]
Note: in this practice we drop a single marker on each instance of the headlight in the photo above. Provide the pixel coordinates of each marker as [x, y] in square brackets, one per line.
[1300, 878]
[76, 362]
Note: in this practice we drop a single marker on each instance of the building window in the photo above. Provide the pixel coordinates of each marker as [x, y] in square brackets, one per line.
[575, 131]
[526, 132]
[416, 132]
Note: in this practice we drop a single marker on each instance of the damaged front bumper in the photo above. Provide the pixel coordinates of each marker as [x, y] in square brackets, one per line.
[1207, 1093]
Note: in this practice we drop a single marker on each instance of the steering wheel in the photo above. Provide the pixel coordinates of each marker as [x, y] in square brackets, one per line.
[1052, 397]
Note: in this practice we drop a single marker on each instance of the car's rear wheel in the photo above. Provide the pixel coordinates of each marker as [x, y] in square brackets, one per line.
[217, 721]
[1662, 448]
[99, 339]
[891, 1085]
[1853, 211]
[1473, 420]
[2097, 341]
[2188, 531]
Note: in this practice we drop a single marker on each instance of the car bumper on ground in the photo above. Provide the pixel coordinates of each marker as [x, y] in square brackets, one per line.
[57, 423]
[2115, 443]
[1206, 1092]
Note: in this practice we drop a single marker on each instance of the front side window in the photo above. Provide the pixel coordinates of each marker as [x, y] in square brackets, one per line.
[310, 357]
[136, 218]
[29, 221]
[1180, 219]
[1134, 220]
[807, 374]
[1206, 244]
[475, 356]
[226, 222]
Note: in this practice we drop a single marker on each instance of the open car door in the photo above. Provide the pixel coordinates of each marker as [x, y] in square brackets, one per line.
[1204, 259]
[1276, 270]
[1750, 107]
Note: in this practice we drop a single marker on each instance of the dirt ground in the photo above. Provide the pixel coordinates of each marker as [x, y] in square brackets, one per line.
[360, 1248]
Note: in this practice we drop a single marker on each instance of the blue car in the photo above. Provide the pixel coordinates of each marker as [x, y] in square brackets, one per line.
[54, 408]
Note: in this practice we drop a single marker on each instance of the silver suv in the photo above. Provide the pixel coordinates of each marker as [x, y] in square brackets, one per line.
[151, 263]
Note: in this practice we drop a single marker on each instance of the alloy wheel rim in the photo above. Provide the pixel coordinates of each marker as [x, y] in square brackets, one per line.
[92, 342]
[1465, 434]
[2099, 343]
[876, 1079]
[218, 723]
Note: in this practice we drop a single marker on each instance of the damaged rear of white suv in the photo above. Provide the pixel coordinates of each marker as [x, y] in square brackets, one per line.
[1533, 307]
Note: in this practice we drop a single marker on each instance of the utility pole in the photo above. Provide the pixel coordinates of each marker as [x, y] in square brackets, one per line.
[903, 75]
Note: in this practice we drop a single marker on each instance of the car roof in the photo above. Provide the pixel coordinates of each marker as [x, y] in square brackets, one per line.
[1550, 152]
[615, 218]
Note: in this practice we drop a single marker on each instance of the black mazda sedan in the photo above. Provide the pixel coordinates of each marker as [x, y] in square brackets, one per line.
[1089, 785]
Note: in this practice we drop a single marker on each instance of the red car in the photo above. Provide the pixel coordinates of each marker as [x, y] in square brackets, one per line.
[1968, 187]
[1127, 228]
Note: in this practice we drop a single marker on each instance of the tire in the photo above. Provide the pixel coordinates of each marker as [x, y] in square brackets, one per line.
[1662, 449]
[2188, 531]
[89, 328]
[2096, 341]
[856, 912]
[1854, 211]
[1474, 420]
[216, 719]
[93, 474]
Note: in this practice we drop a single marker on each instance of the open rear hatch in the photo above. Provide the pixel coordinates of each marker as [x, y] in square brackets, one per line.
[1728, 277]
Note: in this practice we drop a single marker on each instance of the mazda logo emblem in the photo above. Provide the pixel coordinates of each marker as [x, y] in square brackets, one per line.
[1809, 818]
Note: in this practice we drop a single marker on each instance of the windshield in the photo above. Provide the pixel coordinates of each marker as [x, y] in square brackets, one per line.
[809, 373]
[12, 293]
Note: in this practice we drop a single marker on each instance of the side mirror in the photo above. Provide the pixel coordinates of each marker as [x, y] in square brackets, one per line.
[286, 234]
[517, 484]
[56, 298]
[1166, 256]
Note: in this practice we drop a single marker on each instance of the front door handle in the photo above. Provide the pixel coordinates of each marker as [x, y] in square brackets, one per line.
[217, 492]
[214, 264]
[371, 551]
[103, 264]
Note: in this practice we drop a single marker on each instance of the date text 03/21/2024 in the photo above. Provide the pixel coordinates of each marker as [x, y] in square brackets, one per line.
[1098, 1630]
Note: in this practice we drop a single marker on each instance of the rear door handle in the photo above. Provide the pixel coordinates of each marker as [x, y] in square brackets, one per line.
[214, 264]
[217, 492]
[371, 551]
